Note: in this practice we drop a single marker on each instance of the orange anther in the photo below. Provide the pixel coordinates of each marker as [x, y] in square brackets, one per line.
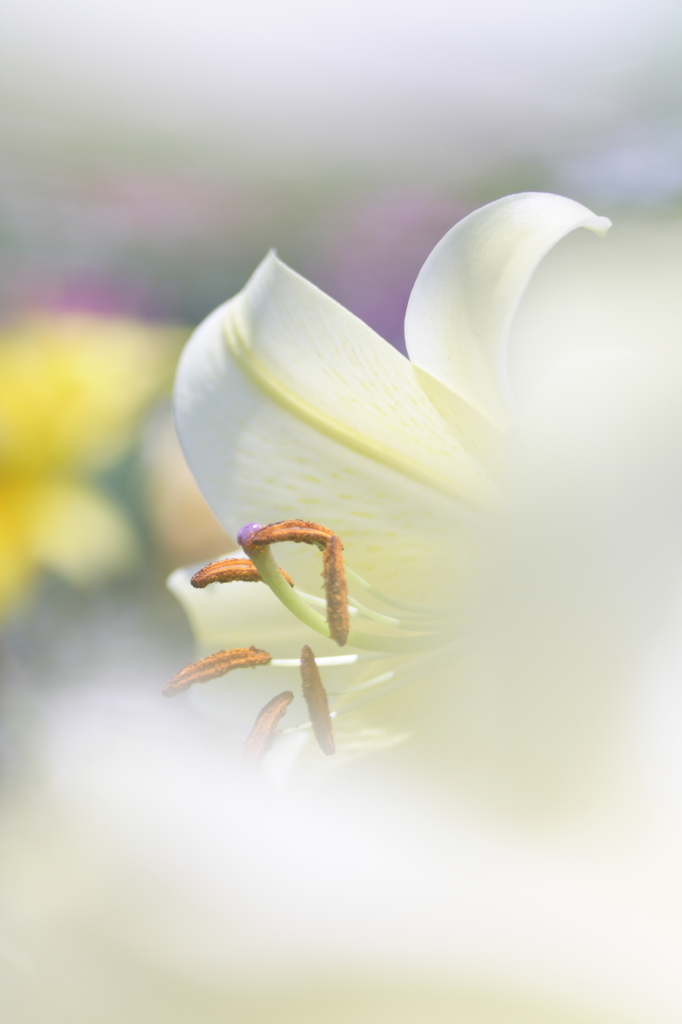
[262, 736]
[334, 575]
[299, 531]
[316, 698]
[213, 666]
[230, 570]
[255, 538]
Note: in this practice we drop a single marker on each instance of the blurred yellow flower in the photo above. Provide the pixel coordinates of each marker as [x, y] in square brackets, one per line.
[72, 389]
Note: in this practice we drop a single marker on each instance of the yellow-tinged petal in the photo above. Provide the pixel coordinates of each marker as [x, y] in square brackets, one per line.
[287, 405]
[326, 367]
[461, 307]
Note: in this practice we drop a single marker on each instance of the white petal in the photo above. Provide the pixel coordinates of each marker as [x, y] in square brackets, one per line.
[467, 292]
[289, 406]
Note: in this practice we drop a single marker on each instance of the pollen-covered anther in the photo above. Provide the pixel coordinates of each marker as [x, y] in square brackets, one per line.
[300, 531]
[336, 591]
[255, 539]
[214, 666]
[262, 736]
[316, 698]
[231, 570]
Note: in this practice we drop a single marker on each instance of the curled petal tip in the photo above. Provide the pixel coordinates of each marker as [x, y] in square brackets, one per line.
[600, 225]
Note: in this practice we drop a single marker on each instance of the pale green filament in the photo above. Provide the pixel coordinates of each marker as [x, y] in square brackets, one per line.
[389, 681]
[319, 602]
[356, 608]
[269, 571]
[428, 611]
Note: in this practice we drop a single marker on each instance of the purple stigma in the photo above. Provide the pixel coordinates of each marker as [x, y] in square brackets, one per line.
[247, 532]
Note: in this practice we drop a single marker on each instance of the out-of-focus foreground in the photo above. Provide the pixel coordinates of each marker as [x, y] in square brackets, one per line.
[151, 155]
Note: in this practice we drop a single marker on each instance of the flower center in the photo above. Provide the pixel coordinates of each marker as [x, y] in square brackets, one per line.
[414, 630]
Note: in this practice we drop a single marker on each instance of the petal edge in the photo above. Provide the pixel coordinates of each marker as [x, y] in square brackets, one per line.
[461, 307]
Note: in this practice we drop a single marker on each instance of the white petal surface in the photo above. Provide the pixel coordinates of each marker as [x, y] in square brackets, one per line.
[467, 292]
[143, 882]
[315, 416]
[356, 388]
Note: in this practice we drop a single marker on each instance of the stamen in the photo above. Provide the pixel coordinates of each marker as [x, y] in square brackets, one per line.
[300, 531]
[255, 539]
[247, 532]
[229, 570]
[316, 699]
[269, 570]
[262, 736]
[379, 686]
[335, 590]
[213, 666]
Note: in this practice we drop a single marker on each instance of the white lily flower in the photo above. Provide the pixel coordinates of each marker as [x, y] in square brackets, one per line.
[149, 884]
[289, 407]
